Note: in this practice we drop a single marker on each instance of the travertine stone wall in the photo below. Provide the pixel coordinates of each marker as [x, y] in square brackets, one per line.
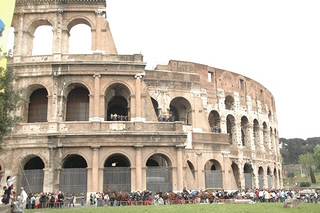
[201, 98]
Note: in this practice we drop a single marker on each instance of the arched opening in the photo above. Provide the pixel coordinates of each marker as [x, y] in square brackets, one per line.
[191, 169]
[42, 41]
[180, 109]
[265, 134]
[80, 40]
[117, 173]
[73, 176]
[229, 102]
[269, 177]
[248, 175]
[213, 174]
[214, 121]
[231, 129]
[275, 178]
[270, 116]
[260, 175]
[38, 106]
[78, 105]
[117, 102]
[236, 174]
[33, 175]
[117, 109]
[159, 173]
[155, 106]
[244, 131]
[271, 146]
[256, 130]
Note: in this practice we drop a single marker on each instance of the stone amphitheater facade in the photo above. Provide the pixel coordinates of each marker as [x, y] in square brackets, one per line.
[222, 132]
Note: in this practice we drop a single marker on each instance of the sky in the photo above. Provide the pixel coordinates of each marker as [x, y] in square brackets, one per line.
[275, 42]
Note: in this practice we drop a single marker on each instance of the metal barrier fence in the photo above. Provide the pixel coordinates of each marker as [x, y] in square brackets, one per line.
[73, 180]
[213, 178]
[117, 178]
[248, 180]
[159, 178]
[32, 180]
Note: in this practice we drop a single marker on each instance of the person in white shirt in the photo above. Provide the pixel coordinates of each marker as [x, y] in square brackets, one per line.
[10, 181]
[23, 199]
[20, 205]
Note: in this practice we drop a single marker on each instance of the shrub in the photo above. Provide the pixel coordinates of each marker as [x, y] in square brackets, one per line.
[305, 184]
[290, 174]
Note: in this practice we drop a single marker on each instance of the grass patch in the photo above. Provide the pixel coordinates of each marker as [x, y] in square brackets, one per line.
[221, 208]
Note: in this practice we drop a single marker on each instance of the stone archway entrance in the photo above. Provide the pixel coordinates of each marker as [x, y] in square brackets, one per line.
[159, 173]
[117, 173]
[269, 178]
[260, 175]
[248, 172]
[213, 174]
[33, 175]
[73, 177]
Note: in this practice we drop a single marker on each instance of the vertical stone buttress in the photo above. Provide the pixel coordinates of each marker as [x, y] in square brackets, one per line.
[57, 36]
[249, 132]
[241, 176]
[138, 174]
[179, 167]
[18, 42]
[96, 98]
[199, 171]
[138, 97]
[95, 169]
[97, 44]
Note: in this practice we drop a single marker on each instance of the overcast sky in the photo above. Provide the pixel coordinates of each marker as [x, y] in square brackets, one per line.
[275, 42]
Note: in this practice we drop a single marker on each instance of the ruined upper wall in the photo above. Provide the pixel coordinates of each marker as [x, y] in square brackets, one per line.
[61, 16]
[230, 82]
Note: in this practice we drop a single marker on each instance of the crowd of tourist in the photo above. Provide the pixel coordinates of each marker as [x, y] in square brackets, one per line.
[115, 117]
[165, 118]
[58, 200]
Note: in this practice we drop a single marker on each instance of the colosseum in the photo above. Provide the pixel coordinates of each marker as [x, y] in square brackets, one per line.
[102, 120]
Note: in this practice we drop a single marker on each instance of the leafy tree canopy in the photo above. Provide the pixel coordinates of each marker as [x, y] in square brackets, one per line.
[9, 101]
[316, 155]
[291, 149]
[306, 161]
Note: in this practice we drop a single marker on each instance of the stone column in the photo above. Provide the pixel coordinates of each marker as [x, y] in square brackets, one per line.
[179, 167]
[200, 180]
[98, 35]
[18, 40]
[226, 180]
[57, 36]
[223, 125]
[249, 136]
[265, 178]
[238, 133]
[95, 168]
[241, 176]
[138, 177]
[96, 98]
[138, 97]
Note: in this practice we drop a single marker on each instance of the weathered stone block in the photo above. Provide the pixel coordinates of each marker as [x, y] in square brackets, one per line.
[244, 201]
[230, 201]
[291, 203]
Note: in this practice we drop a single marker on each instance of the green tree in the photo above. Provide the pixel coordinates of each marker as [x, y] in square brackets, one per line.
[316, 155]
[313, 178]
[306, 161]
[10, 100]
